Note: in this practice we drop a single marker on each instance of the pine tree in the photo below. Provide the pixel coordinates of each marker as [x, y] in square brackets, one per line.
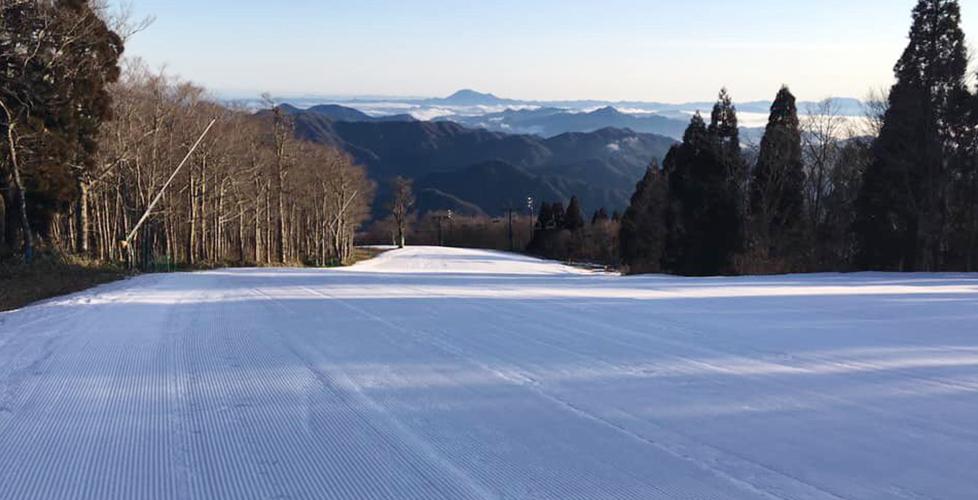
[573, 219]
[643, 233]
[777, 188]
[558, 215]
[703, 214]
[725, 133]
[902, 211]
[724, 183]
[545, 219]
[600, 215]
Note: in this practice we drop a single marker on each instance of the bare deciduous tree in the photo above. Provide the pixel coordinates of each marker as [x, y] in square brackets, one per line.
[402, 201]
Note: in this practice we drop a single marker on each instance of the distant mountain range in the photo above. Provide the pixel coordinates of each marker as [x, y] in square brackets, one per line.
[548, 119]
[344, 114]
[845, 106]
[549, 122]
[478, 153]
[479, 171]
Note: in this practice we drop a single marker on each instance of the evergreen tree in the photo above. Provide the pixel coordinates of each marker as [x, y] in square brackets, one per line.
[725, 132]
[57, 59]
[643, 232]
[573, 219]
[902, 210]
[600, 215]
[967, 189]
[703, 215]
[545, 219]
[724, 184]
[616, 216]
[558, 214]
[777, 188]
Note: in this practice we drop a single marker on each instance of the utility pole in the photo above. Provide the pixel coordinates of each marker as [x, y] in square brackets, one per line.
[442, 218]
[132, 234]
[509, 215]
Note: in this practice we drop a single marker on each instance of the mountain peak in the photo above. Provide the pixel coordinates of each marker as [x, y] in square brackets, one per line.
[607, 111]
[469, 97]
[469, 94]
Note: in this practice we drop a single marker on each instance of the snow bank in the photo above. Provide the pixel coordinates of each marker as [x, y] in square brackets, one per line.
[461, 261]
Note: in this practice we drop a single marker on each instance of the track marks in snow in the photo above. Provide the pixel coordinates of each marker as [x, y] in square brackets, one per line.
[471, 375]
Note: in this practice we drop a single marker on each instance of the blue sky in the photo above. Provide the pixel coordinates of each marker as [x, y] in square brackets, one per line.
[646, 50]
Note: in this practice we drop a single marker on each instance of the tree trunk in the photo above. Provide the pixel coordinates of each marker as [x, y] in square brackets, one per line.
[192, 230]
[3, 218]
[84, 226]
[21, 195]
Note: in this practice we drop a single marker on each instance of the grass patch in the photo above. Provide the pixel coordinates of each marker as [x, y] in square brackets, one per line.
[50, 276]
[361, 254]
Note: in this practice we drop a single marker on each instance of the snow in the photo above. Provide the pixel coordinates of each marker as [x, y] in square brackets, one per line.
[458, 374]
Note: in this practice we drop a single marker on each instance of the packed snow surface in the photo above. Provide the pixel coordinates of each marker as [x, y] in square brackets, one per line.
[454, 374]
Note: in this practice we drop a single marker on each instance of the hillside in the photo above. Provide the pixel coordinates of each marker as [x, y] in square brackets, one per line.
[484, 170]
[549, 122]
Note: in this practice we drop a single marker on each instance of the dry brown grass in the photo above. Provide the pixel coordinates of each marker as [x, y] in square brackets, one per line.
[49, 276]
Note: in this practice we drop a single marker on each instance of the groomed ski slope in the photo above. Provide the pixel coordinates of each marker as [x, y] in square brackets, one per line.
[456, 374]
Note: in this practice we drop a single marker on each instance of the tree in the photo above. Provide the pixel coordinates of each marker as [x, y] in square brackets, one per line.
[724, 183]
[558, 213]
[903, 203]
[573, 219]
[545, 218]
[642, 234]
[822, 143]
[777, 188]
[837, 240]
[703, 215]
[56, 59]
[400, 206]
[600, 215]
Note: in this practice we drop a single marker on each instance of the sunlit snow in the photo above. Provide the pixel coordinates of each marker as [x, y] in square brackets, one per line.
[434, 373]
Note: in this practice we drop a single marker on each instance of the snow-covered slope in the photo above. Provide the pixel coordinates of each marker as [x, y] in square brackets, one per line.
[457, 374]
[460, 261]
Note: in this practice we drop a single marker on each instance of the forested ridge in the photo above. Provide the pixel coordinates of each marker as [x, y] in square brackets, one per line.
[91, 138]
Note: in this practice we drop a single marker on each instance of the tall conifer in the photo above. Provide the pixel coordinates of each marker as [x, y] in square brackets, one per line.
[902, 208]
[777, 187]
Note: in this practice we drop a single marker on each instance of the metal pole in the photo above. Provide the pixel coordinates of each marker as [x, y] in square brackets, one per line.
[132, 234]
[512, 244]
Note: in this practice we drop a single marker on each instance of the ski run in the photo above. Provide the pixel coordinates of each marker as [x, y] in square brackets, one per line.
[432, 373]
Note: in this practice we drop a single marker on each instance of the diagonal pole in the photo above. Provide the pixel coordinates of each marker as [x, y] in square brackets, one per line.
[132, 234]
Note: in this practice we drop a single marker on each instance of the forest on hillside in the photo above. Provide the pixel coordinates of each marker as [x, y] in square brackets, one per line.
[106, 160]
[92, 140]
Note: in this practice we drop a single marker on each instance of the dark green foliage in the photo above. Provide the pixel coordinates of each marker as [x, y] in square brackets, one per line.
[558, 214]
[903, 212]
[565, 235]
[704, 216]
[56, 59]
[545, 218]
[643, 231]
[600, 215]
[573, 219]
[687, 218]
[777, 198]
